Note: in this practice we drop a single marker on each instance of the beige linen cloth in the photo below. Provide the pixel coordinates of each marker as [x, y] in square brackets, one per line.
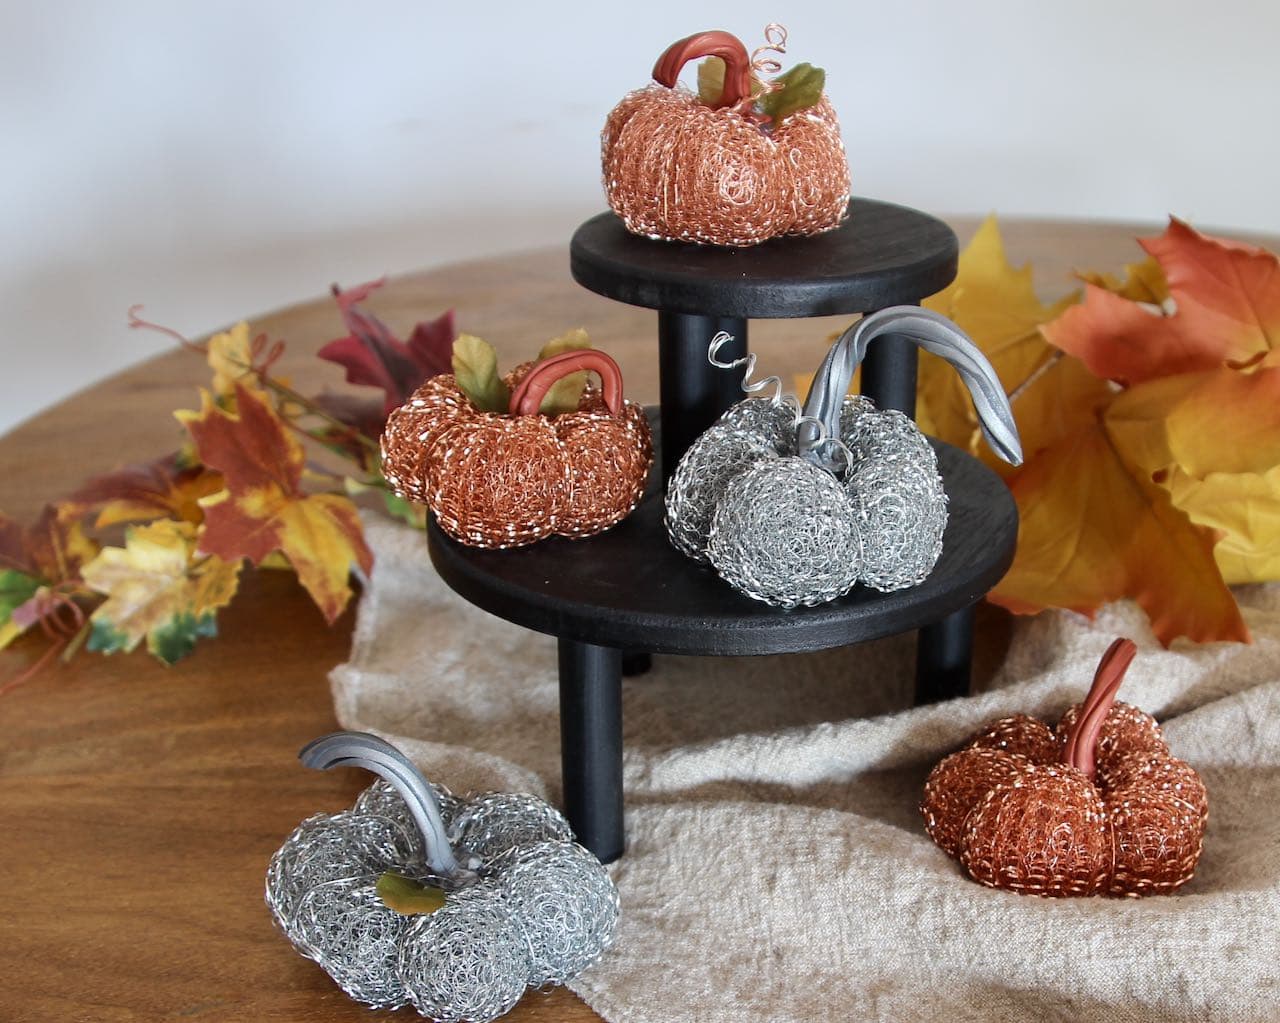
[776, 866]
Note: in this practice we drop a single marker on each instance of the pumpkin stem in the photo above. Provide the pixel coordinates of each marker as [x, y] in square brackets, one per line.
[729, 48]
[1082, 741]
[360, 749]
[527, 398]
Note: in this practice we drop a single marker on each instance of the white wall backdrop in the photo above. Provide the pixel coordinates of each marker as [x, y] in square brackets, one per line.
[216, 160]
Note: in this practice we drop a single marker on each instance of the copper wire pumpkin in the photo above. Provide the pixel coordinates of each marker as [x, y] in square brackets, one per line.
[679, 169]
[1097, 806]
[506, 480]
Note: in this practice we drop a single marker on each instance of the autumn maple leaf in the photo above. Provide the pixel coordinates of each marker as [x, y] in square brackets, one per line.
[1225, 300]
[372, 355]
[1158, 486]
[263, 508]
[166, 488]
[35, 561]
[157, 588]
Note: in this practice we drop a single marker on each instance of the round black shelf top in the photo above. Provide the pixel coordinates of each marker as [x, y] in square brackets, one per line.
[629, 588]
[881, 255]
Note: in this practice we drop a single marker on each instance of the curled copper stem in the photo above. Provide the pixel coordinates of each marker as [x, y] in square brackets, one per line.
[737, 64]
[527, 398]
[775, 41]
[1082, 741]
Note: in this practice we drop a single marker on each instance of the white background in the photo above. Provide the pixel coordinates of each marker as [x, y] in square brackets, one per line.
[219, 159]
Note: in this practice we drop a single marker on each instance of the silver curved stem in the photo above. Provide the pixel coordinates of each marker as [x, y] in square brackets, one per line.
[360, 749]
[748, 365]
[930, 331]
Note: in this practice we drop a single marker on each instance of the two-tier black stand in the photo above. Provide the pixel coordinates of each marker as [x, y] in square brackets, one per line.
[629, 590]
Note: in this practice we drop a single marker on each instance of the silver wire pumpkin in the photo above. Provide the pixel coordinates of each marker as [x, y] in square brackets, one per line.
[795, 506]
[524, 904]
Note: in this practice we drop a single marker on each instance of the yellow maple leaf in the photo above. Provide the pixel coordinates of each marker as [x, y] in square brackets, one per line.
[158, 590]
[997, 306]
[230, 357]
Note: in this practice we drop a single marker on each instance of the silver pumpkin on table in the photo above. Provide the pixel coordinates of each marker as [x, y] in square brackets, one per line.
[524, 904]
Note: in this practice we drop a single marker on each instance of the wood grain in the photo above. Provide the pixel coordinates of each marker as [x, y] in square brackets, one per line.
[141, 804]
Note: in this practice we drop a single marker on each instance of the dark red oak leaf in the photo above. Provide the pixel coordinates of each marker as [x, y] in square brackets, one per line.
[372, 355]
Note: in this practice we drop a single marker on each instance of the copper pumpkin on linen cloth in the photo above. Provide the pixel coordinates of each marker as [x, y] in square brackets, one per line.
[506, 480]
[679, 169]
[1097, 806]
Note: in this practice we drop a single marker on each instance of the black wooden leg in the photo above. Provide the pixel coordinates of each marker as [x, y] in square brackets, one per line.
[693, 392]
[944, 652]
[591, 744]
[889, 374]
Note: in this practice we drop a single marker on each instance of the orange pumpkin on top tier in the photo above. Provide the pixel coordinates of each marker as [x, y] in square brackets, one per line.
[723, 173]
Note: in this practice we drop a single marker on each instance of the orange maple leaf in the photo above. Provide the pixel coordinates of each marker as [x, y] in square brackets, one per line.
[165, 488]
[1226, 308]
[264, 509]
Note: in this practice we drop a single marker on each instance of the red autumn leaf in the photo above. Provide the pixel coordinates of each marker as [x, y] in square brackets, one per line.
[1226, 308]
[166, 488]
[264, 508]
[53, 550]
[372, 355]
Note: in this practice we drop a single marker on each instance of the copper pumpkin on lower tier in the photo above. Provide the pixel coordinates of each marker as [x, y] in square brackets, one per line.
[1098, 806]
[506, 480]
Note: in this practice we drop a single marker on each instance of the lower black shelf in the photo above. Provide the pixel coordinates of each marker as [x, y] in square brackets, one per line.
[629, 588]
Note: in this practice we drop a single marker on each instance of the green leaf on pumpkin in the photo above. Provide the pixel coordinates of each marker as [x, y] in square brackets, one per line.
[711, 82]
[407, 896]
[801, 88]
[566, 392]
[475, 367]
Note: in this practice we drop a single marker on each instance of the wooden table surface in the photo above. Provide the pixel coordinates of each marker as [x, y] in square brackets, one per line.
[141, 803]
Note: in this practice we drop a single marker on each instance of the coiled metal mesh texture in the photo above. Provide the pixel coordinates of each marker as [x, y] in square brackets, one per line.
[901, 505]
[1018, 818]
[792, 537]
[492, 824]
[566, 905]
[542, 910]
[783, 533]
[675, 168]
[467, 960]
[499, 481]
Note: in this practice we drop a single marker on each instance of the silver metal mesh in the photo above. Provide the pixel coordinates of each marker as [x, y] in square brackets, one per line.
[566, 905]
[324, 848]
[491, 824]
[897, 495]
[748, 432]
[382, 800]
[347, 928]
[544, 910]
[720, 455]
[784, 533]
[466, 961]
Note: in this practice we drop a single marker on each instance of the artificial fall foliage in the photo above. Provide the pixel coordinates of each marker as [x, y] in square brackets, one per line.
[1150, 417]
[240, 489]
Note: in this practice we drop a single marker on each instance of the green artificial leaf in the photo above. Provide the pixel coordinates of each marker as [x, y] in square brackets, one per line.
[407, 896]
[177, 637]
[566, 392]
[574, 341]
[801, 88]
[710, 81]
[16, 588]
[406, 511]
[475, 367]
